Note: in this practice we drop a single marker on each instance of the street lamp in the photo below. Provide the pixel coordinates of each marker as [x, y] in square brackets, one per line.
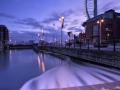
[38, 35]
[100, 22]
[62, 24]
[43, 33]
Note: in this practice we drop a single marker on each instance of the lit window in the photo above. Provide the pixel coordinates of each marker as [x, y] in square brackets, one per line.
[118, 16]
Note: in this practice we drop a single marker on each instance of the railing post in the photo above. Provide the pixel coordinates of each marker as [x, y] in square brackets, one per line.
[69, 43]
[88, 44]
[98, 43]
[65, 44]
[114, 44]
[80, 44]
[74, 44]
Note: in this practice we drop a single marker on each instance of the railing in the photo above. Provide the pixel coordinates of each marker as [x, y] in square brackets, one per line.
[102, 57]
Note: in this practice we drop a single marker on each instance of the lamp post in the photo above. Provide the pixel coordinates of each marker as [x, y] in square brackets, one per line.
[43, 33]
[38, 35]
[100, 22]
[62, 24]
[38, 39]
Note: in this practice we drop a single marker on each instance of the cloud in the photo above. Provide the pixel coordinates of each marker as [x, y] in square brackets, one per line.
[110, 5]
[75, 29]
[29, 22]
[7, 16]
[55, 16]
[75, 22]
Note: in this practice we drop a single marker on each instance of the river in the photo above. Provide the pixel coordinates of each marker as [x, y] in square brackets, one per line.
[26, 69]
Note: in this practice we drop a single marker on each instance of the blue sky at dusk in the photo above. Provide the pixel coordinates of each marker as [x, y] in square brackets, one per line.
[26, 18]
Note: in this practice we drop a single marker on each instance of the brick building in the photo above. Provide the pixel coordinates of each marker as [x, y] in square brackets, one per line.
[104, 26]
[4, 35]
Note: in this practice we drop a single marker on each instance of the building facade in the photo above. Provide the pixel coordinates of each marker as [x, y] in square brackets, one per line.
[4, 35]
[103, 27]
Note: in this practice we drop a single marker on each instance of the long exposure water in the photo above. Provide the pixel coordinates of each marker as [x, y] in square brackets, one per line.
[27, 70]
[19, 66]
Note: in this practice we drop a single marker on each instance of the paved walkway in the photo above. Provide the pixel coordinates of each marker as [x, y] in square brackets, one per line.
[105, 86]
[91, 47]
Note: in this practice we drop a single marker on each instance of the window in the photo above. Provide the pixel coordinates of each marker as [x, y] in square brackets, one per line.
[95, 30]
[109, 15]
[95, 33]
[109, 27]
[1, 35]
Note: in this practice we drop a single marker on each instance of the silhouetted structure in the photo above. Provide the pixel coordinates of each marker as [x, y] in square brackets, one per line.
[4, 35]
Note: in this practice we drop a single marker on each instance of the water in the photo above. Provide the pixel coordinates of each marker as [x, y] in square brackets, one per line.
[26, 70]
[19, 66]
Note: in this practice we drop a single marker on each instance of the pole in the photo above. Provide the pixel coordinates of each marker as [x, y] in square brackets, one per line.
[65, 44]
[114, 44]
[98, 43]
[61, 36]
[74, 43]
[88, 44]
[69, 42]
[100, 32]
[80, 44]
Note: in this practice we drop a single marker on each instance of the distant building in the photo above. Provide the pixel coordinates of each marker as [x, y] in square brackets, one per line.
[82, 37]
[104, 26]
[4, 35]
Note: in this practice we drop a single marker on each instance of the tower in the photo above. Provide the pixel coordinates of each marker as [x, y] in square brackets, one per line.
[90, 8]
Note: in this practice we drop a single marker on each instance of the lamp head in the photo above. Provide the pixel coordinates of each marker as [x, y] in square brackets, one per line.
[98, 22]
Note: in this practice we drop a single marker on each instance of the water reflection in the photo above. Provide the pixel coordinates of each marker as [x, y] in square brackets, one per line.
[41, 63]
[19, 66]
[38, 60]
[43, 66]
[4, 59]
[10, 55]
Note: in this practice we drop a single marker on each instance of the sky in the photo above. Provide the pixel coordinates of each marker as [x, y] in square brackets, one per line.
[26, 18]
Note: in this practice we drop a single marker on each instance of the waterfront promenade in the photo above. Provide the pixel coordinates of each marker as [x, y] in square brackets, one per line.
[91, 47]
[108, 56]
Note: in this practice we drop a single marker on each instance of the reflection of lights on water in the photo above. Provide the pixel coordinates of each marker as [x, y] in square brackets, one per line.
[10, 52]
[39, 61]
[10, 56]
[41, 54]
[43, 66]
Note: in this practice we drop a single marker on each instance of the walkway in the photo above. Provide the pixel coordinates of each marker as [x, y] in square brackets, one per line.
[106, 86]
[91, 47]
